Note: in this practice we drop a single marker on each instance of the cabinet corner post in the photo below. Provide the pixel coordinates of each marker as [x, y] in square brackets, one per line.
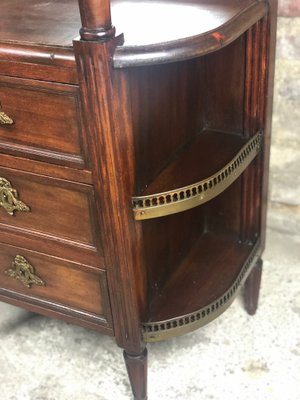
[96, 20]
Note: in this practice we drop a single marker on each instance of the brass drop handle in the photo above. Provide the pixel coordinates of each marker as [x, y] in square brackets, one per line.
[4, 118]
[9, 198]
[23, 271]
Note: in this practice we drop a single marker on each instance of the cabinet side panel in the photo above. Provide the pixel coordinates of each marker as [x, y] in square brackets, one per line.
[258, 110]
[267, 115]
[225, 75]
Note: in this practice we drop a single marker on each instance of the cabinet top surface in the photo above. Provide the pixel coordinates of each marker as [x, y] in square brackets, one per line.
[144, 23]
[44, 22]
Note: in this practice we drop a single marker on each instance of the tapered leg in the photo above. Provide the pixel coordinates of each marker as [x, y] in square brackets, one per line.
[251, 288]
[137, 371]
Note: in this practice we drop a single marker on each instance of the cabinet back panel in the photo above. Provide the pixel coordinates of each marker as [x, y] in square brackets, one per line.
[167, 108]
[168, 240]
[225, 78]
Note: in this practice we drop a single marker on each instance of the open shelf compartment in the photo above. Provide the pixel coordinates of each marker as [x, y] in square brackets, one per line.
[198, 188]
[234, 159]
[203, 286]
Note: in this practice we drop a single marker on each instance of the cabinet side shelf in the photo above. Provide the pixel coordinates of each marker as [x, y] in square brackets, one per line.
[187, 197]
[216, 283]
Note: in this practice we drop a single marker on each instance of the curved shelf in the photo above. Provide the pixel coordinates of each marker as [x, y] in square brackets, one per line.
[167, 30]
[187, 197]
[188, 322]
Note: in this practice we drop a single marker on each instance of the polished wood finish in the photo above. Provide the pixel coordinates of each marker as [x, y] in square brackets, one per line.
[101, 116]
[198, 274]
[112, 138]
[39, 22]
[96, 20]
[196, 28]
[58, 208]
[137, 371]
[57, 23]
[251, 289]
[40, 168]
[183, 114]
[191, 164]
[47, 121]
[44, 61]
[270, 48]
[65, 283]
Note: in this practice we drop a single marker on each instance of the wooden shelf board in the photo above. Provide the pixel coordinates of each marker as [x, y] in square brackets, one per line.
[194, 162]
[191, 163]
[205, 274]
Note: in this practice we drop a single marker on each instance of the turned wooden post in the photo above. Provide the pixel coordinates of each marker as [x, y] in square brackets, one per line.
[137, 371]
[96, 20]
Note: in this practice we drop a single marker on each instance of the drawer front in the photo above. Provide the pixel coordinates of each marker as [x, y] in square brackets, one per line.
[59, 209]
[41, 120]
[53, 280]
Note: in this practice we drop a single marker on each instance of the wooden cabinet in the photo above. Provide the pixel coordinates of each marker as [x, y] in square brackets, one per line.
[134, 162]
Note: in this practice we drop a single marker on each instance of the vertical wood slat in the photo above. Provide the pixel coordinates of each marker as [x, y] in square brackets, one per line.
[270, 63]
[254, 120]
[96, 20]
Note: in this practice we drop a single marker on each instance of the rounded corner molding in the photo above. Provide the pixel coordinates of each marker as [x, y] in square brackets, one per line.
[190, 47]
[187, 197]
[167, 329]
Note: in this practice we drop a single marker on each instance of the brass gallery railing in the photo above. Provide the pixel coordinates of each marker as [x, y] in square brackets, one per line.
[161, 330]
[187, 197]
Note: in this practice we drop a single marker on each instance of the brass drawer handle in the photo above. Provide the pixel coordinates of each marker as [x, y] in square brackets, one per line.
[23, 271]
[9, 198]
[5, 119]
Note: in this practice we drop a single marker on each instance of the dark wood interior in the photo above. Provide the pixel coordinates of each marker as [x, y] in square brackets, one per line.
[213, 258]
[200, 131]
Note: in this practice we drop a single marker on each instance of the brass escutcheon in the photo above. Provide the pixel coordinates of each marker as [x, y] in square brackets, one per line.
[9, 198]
[4, 118]
[23, 271]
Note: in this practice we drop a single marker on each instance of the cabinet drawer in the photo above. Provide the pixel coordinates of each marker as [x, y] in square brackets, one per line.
[51, 279]
[58, 209]
[41, 121]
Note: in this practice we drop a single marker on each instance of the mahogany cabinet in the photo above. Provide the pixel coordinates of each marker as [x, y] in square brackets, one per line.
[134, 162]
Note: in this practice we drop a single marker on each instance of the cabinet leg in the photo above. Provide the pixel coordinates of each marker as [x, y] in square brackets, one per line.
[137, 372]
[251, 288]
